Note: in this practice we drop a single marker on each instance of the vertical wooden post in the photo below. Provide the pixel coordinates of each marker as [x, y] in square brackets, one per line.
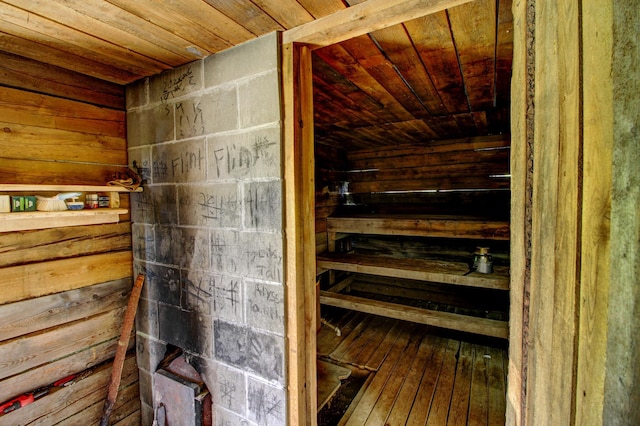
[300, 234]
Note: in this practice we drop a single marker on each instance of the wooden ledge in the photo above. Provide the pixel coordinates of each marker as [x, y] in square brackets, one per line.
[420, 226]
[416, 269]
[452, 321]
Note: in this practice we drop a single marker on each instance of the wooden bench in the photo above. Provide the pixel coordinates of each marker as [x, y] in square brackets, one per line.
[440, 271]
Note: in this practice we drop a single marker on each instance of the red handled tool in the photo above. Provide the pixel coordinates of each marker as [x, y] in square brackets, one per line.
[22, 400]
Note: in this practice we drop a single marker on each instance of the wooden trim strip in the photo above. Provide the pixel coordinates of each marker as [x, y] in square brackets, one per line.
[362, 19]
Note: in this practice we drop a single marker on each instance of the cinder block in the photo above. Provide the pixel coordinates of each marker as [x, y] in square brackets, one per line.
[262, 256]
[246, 348]
[145, 384]
[137, 93]
[151, 125]
[263, 205]
[186, 329]
[265, 306]
[162, 284]
[259, 100]
[220, 106]
[143, 242]
[211, 205]
[147, 318]
[253, 57]
[226, 384]
[247, 155]
[150, 352]
[183, 247]
[267, 404]
[226, 252]
[156, 204]
[217, 295]
[179, 162]
[140, 161]
[176, 83]
[227, 418]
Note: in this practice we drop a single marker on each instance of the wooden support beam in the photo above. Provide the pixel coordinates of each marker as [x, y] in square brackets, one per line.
[362, 19]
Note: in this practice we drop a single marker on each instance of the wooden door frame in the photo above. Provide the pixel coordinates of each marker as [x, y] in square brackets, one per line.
[299, 190]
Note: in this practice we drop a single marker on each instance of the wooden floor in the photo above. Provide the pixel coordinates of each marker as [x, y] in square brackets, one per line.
[418, 374]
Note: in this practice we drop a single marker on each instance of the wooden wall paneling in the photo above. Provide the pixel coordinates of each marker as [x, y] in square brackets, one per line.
[34, 26]
[556, 215]
[520, 238]
[47, 373]
[45, 312]
[26, 352]
[300, 245]
[36, 76]
[474, 29]
[51, 172]
[599, 127]
[39, 279]
[49, 244]
[70, 404]
[40, 143]
[21, 107]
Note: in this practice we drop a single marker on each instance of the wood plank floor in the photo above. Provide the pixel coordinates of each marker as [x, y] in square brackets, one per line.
[418, 375]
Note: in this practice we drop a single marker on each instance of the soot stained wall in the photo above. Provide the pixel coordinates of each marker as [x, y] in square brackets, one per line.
[208, 227]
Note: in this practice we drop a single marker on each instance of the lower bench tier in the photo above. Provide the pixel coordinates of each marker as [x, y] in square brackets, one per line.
[448, 320]
[446, 272]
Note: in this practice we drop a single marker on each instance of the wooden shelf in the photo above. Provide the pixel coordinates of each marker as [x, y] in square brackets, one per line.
[21, 221]
[416, 269]
[452, 321]
[420, 226]
[10, 187]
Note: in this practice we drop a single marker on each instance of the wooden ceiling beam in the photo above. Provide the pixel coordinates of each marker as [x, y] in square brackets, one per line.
[362, 19]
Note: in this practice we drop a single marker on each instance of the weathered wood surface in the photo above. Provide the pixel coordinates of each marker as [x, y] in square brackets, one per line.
[25, 221]
[452, 321]
[39, 279]
[419, 226]
[81, 402]
[416, 269]
[28, 316]
[423, 378]
[50, 244]
[26, 352]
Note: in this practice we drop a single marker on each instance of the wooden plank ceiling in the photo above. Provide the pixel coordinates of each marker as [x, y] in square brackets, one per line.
[442, 76]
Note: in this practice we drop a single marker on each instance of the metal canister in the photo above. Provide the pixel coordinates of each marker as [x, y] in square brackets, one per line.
[91, 201]
[482, 261]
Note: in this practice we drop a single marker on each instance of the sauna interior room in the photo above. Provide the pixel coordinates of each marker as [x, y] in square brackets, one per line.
[303, 212]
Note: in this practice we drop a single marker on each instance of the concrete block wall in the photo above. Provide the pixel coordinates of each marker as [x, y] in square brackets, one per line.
[207, 229]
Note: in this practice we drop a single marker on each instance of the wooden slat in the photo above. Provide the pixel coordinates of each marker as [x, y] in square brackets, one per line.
[43, 375]
[57, 243]
[474, 29]
[27, 316]
[441, 399]
[27, 281]
[367, 403]
[51, 172]
[41, 143]
[37, 76]
[26, 352]
[50, 111]
[60, 405]
[447, 320]
[417, 269]
[19, 45]
[496, 383]
[51, 33]
[396, 380]
[20, 221]
[461, 394]
[420, 225]
[479, 403]
[422, 370]
[363, 19]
